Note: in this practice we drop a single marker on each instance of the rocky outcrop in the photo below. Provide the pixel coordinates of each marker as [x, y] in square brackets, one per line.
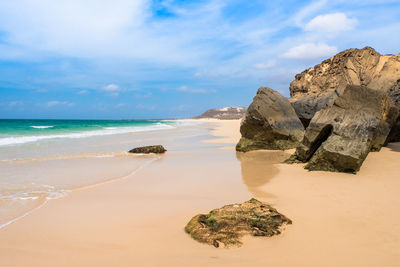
[229, 223]
[317, 87]
[227, 113]
[157, 149]
[270, 123]
[340, 137]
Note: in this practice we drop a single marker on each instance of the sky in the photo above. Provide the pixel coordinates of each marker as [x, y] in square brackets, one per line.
[141, 59]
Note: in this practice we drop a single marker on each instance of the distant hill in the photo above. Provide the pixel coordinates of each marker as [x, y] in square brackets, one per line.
[228, 113]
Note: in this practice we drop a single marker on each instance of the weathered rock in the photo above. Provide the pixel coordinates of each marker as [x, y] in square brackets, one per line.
[317, 87]
[157, 149]
[308, 105]
[270, 123]
[229, 223]
[340, 137]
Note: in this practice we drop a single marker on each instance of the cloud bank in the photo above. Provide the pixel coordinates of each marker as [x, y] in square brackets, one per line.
[208, 53]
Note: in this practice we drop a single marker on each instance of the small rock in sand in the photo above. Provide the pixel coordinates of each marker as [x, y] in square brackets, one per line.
[157, 149]
[229, 223]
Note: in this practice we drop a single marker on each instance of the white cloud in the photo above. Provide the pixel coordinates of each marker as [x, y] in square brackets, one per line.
[310, 51]
[93, 29]
[15, 103]
[267, 65]
[331, 23]
[182, 107]
[143, 95]
[125, 40]
[186, 89]
[112, 88]
[146, 107]
[83, 92]
[307, 10]
[55, 103]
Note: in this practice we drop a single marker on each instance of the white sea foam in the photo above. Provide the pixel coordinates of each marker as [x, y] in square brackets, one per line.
[42, 127]
[15, 140]
[46, 191]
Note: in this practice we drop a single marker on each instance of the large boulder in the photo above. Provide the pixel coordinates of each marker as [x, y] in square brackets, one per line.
[317, 88]
[340, 137]
[270, 123]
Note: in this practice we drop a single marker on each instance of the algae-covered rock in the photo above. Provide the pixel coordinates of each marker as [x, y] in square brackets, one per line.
[270, 123]
[229, 223]
[157, 149]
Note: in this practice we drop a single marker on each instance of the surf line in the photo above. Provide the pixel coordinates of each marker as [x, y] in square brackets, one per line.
[24, 215]
[119, 178]
[82, 188]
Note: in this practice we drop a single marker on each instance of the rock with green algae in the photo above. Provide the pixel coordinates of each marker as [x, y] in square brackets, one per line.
[229, 223]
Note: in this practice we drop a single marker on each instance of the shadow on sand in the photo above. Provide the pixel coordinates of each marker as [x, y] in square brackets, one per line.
[258, 168]
[394, 146]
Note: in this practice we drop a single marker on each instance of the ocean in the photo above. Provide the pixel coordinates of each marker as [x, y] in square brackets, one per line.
[42, 160]
[13, 132]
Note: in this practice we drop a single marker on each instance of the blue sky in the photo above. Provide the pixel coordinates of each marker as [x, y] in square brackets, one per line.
[121, 59]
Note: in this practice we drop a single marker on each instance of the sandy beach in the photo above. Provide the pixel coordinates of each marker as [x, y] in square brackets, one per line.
[138, 219]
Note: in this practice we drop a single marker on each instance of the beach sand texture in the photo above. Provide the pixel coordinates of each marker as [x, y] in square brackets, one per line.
[138, 220]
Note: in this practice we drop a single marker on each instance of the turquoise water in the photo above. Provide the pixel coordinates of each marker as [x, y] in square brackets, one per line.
[41, 160]
[13, 132]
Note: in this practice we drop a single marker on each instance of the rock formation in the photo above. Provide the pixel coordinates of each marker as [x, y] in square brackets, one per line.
[229, 223]
[349, 105]
[227, 113]
[317, 87]
[270, 123]
[157, 149]
[340, 137]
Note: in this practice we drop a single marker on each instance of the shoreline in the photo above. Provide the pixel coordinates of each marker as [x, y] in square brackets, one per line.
[19, 199]
[84, 155]
[139, 220]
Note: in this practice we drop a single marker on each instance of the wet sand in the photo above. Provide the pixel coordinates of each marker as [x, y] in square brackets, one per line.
[138, 220]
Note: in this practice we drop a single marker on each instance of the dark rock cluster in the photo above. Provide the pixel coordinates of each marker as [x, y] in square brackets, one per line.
[340, 137]
[349, 105]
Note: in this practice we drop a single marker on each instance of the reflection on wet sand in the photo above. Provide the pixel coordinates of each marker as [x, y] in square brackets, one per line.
[258, 167]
